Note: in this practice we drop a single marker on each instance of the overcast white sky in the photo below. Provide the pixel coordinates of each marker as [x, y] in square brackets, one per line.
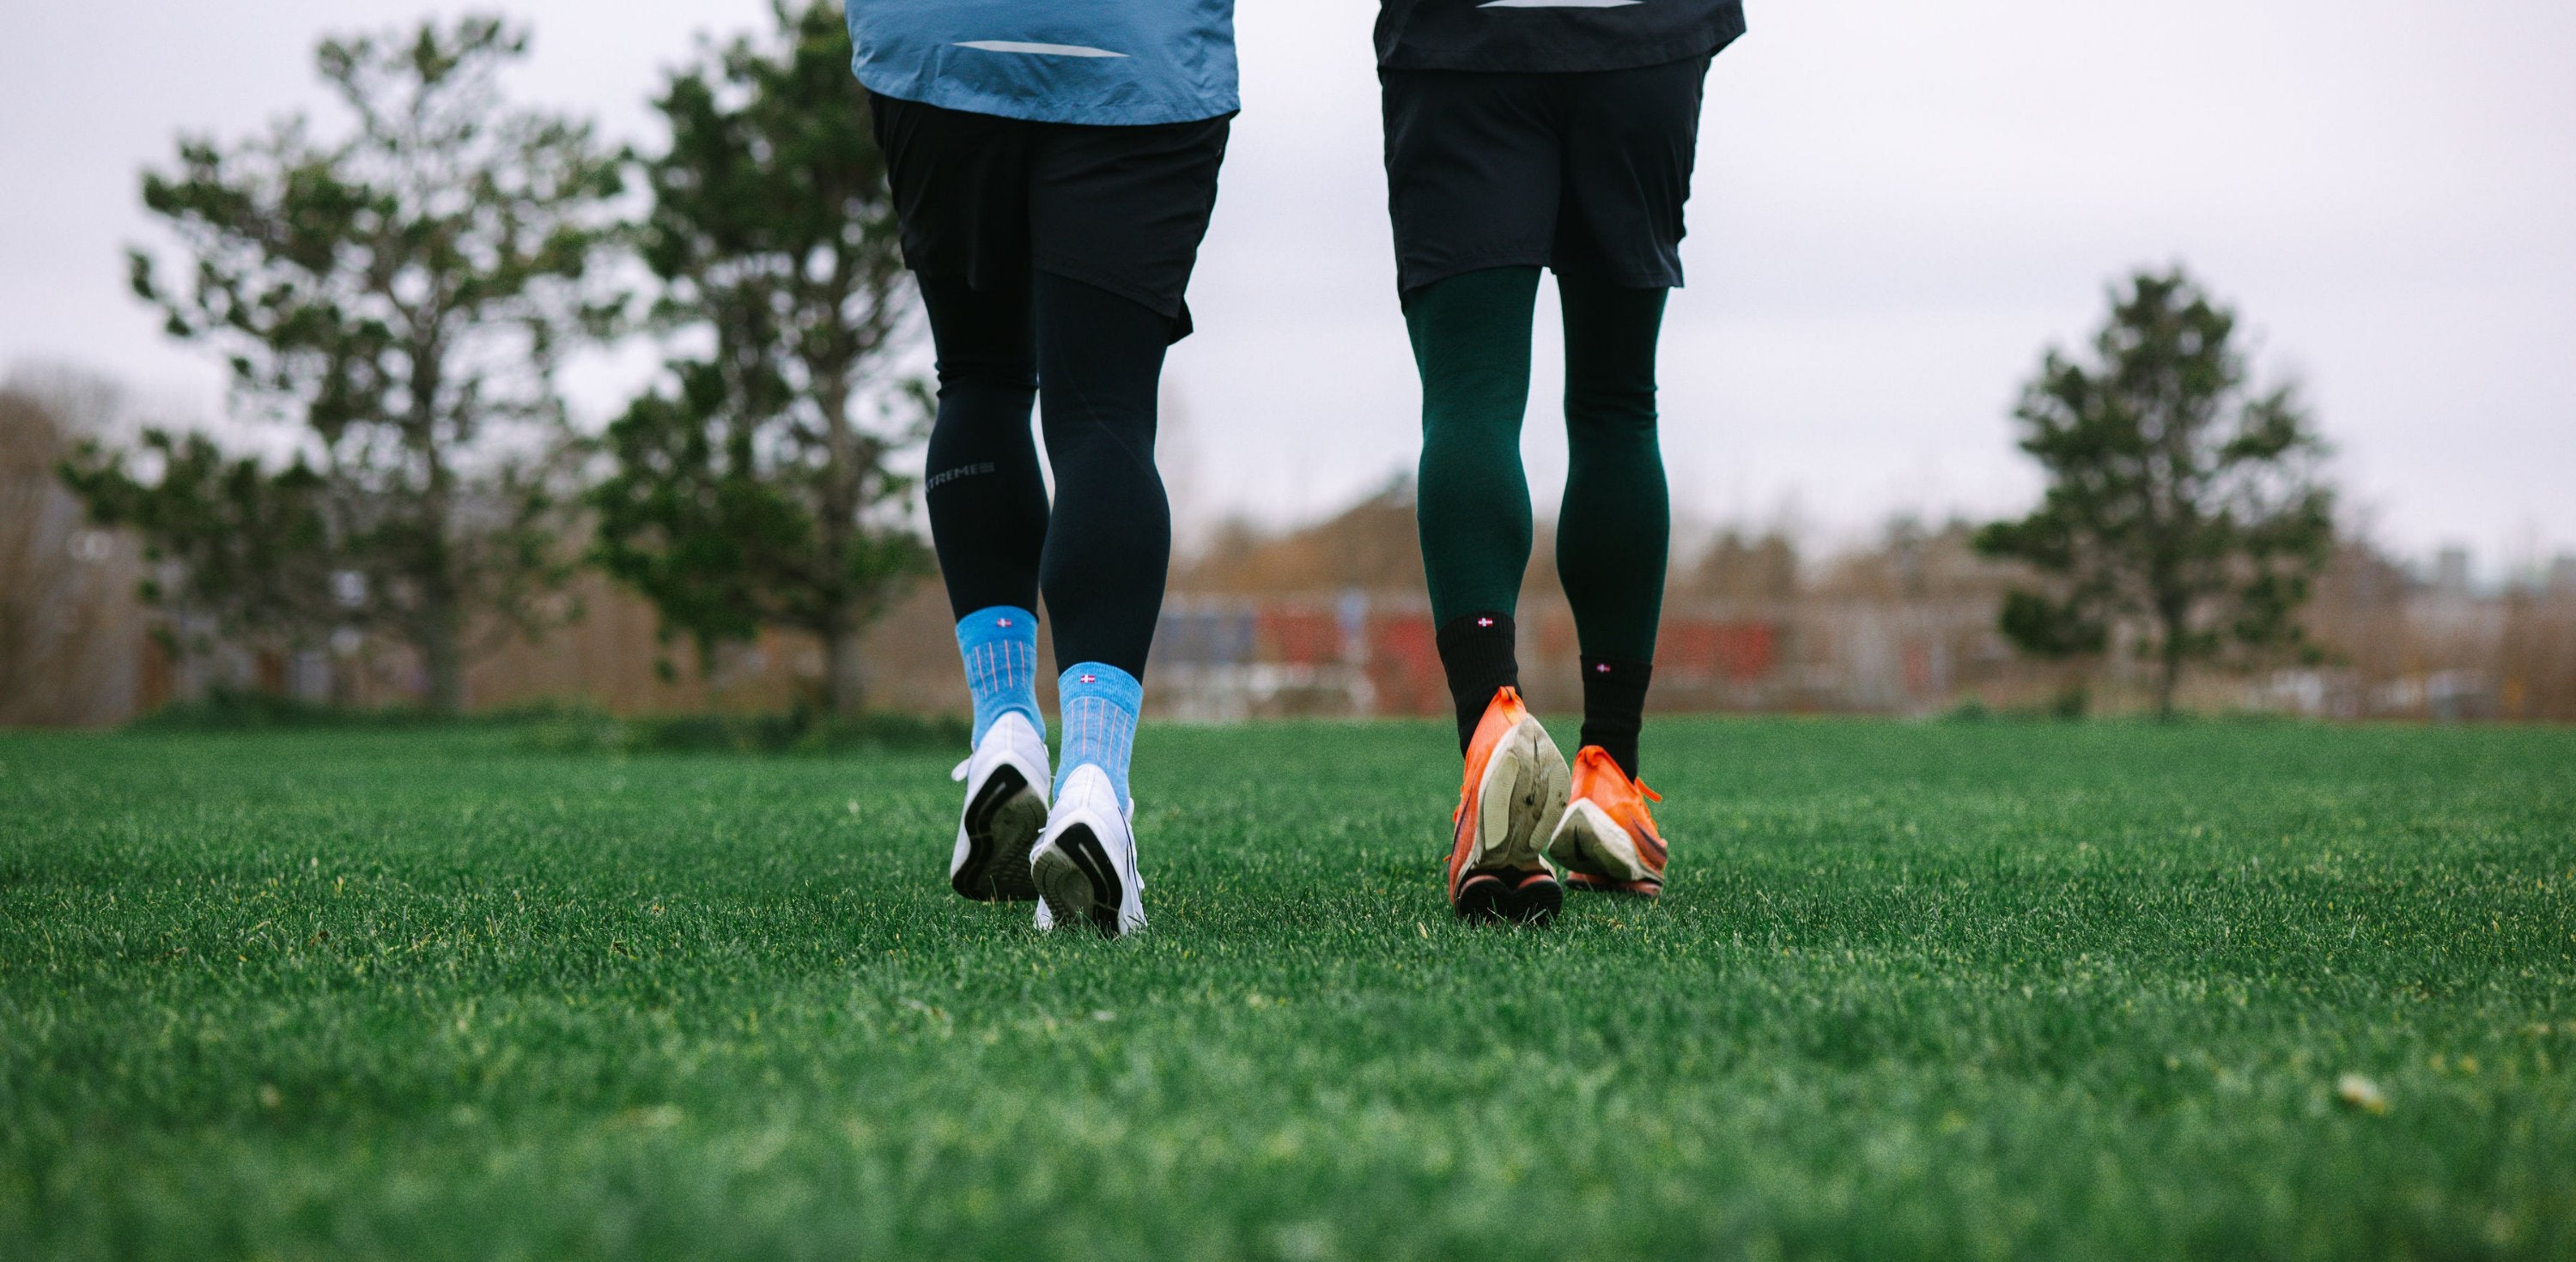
[1897, 206]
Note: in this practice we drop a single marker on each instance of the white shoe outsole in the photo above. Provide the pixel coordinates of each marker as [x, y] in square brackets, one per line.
[1069, 893]
[1002, 866]
[1587, 840]
[1525, 787]
[1084, 866]
[1005, 813]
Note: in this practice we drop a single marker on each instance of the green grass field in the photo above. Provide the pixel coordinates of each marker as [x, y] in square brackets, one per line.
[1935, 990]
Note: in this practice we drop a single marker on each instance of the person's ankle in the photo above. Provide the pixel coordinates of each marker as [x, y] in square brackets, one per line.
[1100, 706]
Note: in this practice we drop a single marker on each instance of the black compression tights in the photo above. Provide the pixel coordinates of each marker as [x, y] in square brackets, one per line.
[1471, 339]
[1095, 362]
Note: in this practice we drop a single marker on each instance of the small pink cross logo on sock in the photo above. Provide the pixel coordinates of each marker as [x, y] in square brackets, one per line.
[1088, 679]
[1484, 622]
[1601, 669]
[1001, 622]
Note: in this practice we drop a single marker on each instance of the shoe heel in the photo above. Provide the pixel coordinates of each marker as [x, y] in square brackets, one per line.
[1591, 843]
[1535, 900]
[1526, 800]
[1001, 824]
[1015, 832]
[1074, 877]
[1482, 896]
[1556, 789]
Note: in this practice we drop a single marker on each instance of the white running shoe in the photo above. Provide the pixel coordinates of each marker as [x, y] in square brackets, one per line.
[1085, 864]
[1006, 807]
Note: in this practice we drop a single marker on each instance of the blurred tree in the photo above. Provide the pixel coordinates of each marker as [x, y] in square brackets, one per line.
[1372, 546]
[1749, 569]
[2179, 501]
[398, 296]
[753, 489]
[245, 550]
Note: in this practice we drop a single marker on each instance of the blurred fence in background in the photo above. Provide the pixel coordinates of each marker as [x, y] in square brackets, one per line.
[73, 648]
[1330, 621]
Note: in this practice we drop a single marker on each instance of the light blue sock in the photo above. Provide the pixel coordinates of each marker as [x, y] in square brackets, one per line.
[1000, 645]
[1099, 703]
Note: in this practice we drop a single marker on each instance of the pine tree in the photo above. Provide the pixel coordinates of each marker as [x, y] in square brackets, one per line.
[396, 299]
[2181, 502]
[753, 487]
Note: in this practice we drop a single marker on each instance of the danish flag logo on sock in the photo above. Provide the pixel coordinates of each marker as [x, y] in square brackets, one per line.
[1088, 679]
[1484, 622]
[1601, 669]
[1001, 622]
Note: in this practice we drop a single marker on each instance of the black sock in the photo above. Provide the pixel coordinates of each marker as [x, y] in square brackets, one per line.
[1614, 707]
[1476, 652]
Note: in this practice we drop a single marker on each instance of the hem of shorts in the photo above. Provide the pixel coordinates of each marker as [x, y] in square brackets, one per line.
[1168, 308]
[1412, 282]
[948, 95]
[1664, 53]
[1631, 280]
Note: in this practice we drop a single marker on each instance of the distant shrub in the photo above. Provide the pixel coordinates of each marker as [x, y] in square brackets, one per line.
[227, 709]
[2071, 702]
[574, 728]
[795, 732]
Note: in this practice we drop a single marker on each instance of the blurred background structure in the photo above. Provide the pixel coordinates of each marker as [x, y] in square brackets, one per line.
[1324, 620]
[1897, 211]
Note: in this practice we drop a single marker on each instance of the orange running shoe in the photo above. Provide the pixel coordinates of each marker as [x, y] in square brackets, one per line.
[1516, 782]
[1607, 841]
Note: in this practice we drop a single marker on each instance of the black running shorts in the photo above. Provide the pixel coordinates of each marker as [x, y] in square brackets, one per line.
[1582, 172]
[987, 199]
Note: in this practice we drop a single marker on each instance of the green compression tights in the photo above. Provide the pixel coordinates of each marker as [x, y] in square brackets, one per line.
[1471, 340]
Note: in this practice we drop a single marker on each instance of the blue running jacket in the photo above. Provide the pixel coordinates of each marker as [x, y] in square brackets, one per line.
[1108, 62]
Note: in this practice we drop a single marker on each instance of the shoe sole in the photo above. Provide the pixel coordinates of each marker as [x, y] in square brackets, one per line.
[1519, 898]
[1002, 823]
[1078, 883]
[1649, 888]
[1535, 900]
[1590, 843]
[1525, 786]
[1482, 896]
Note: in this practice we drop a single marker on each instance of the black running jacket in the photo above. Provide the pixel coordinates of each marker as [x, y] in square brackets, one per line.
[1551, 35]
